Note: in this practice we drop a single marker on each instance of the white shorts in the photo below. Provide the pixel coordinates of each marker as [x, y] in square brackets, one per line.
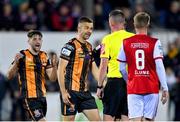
[143, 105]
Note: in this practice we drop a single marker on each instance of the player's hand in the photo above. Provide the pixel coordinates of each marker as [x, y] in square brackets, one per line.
[17, 57]
[65, 97]
[164, 97]
[100, 93]
[54, 60]
[72, 107]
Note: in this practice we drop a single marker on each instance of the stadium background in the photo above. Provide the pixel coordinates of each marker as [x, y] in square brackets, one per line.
[57, 19]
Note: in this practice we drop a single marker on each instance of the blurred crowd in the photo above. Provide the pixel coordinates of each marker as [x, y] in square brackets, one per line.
[62, 15]
[172, 65]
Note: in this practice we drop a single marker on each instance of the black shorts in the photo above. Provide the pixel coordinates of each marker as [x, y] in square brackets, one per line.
[115, 98]
[36, 108]
[80, 100]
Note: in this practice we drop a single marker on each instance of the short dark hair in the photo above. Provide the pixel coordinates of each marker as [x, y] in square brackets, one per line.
[141, 19]
[34, 32]
[116, 12]
[85, 19]
[118, 15]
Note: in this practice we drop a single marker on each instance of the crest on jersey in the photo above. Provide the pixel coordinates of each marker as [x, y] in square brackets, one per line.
[160, 49]
[37, 113]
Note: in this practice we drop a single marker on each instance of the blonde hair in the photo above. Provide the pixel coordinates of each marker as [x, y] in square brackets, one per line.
[141, 20]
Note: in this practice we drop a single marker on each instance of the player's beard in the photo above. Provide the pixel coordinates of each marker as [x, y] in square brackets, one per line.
[86, 36]
[36, 48]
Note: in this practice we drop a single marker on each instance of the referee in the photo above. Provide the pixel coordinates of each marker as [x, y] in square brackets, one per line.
[114, 97]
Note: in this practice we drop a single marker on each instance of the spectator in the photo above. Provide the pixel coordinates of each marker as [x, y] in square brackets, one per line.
[3, 89]
[172, 59]
[129, 21]
[76, 13]
[49, 19]
[98, 17]
[30, 21]
[171, 81]
[51, 5]
[18, 112]
[52, 86]
[161, 7]
[41, 16]
[173, 16]
[21, 16]
[177, 42]
[106, 10]
[177, 98]
[7, 18]
[119, 3]
[61, 20]
[16, 3]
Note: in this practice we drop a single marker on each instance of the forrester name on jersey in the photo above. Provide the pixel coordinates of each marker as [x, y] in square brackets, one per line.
[139, 45]
[142, 72]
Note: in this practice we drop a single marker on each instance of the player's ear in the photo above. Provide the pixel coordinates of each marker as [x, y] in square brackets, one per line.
[78, 27]
[148, 24]
[28, 40]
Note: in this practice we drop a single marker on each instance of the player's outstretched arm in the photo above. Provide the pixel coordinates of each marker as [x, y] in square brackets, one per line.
[12, 71]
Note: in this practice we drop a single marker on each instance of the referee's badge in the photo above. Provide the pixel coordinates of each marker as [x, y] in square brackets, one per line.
[102, 48]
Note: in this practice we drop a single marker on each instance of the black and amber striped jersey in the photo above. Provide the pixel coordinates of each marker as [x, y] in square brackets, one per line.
[79, 56]
[31, 71]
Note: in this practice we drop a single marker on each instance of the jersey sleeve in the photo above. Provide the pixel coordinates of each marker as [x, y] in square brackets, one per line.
[158, 52]
[105, 48]
[121, 56]
[161, 74]
[22, 56]
[67, 51]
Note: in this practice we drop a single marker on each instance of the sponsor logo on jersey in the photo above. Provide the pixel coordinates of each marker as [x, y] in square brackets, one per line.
[66, 52]
[161, 50]
[142, 72]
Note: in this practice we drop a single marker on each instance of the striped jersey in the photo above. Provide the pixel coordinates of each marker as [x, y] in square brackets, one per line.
[31, 69]
[79, 56]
